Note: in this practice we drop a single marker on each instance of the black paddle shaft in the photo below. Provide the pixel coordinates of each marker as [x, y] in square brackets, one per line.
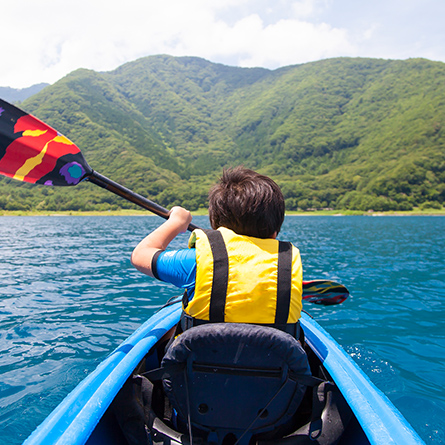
[114, 187]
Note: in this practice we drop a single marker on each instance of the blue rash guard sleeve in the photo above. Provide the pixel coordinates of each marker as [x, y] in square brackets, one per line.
[177, 267]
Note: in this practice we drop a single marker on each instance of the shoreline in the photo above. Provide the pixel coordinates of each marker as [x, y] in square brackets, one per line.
[417, 212]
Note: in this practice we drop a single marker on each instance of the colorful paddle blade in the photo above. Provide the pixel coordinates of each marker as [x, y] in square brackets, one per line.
[324, 292]
[32, 151]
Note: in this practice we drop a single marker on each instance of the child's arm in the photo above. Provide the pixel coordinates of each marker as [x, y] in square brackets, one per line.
[178, 221]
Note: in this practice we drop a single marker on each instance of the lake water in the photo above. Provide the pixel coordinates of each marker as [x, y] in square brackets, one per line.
[69, 296]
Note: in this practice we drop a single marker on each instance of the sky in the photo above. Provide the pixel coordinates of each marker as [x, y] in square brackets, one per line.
[43, 40]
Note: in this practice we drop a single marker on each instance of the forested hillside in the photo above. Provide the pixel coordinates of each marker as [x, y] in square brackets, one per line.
[20, 94]
[339, 133]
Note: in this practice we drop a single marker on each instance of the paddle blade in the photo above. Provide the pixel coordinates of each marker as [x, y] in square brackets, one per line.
[32, 151]
[324, 292]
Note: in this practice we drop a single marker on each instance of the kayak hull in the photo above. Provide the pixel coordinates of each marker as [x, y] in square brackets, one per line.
[83, 416]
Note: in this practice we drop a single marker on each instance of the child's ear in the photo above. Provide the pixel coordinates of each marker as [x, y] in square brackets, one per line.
[274, 235]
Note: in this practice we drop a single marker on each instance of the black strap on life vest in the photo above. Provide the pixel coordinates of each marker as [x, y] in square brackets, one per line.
[284, 282]
[221, 278]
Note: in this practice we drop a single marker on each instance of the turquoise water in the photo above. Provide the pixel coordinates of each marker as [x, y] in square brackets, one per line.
[69, 296]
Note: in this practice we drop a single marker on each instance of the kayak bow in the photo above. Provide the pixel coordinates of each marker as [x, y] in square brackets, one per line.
[81, 417]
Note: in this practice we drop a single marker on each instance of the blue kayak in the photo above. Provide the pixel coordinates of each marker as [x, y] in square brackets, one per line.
[85, 415]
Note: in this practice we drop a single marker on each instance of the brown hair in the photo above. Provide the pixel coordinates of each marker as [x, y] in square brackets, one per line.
[247, 203]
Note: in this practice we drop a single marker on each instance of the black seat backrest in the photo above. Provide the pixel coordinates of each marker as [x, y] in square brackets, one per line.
[237, 379]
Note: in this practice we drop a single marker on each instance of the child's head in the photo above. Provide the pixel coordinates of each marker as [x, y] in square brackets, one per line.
[247, 203]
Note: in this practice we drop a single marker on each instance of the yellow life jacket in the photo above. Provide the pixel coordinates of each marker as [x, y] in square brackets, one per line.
[242, 279]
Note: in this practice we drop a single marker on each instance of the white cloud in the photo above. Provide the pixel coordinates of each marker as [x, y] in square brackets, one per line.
[304, 9]
[50, 38]
[293, 41]
[47, 39]
[370, 32]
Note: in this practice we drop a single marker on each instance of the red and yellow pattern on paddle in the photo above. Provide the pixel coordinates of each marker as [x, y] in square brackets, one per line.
[32, 151]
[324, 292]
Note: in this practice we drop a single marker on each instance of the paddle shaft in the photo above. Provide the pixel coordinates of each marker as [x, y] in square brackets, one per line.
[114, 187]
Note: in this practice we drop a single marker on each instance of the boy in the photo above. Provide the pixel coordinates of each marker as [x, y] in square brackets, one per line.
[238, 272]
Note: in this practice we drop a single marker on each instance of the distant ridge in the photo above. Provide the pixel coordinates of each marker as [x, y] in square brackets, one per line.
[20, 94]
[344, 133]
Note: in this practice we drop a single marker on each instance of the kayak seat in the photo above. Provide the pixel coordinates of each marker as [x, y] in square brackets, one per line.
[229, 382]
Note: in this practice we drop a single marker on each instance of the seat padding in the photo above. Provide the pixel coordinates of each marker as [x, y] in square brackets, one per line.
[236, 377]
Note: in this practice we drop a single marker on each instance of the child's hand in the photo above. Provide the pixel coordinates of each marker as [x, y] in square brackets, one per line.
[142, 256]
[181, 217]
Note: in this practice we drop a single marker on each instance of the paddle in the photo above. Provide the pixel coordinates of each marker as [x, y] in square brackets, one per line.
[324, 292]
[32, 151]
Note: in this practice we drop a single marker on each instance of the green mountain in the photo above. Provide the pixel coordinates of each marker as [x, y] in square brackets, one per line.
[20, 94]
[339, 133]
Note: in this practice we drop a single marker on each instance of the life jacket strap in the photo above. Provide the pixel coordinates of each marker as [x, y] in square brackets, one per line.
[284, 282]
[220, 276]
